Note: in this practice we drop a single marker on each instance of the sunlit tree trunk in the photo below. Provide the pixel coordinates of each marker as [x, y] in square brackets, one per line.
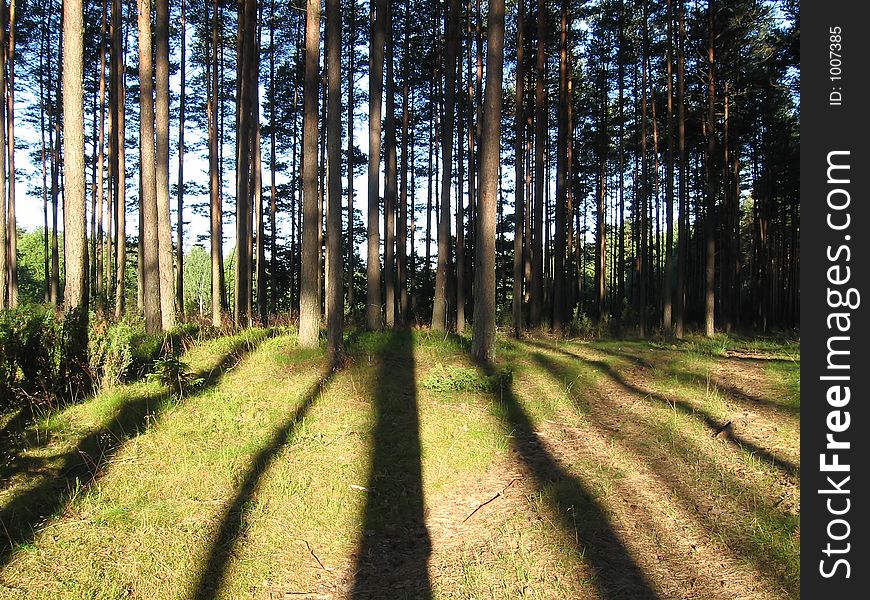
[439, 307]
[164, 224]
[148, 183]
[376, 76]
[309, 299]
[483, 339]
[335, 314]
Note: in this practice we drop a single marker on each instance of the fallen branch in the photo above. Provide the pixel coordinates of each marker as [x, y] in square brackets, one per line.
[491, 499]
[315, 556]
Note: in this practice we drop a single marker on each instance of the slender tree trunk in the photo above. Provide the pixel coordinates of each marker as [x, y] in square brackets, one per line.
[709, 231]
[55, 175]
[120, 182]
[247, 80]
[483, 339]
[179, 281]
[216, 216]
[273, 201]
[309, 299]
[351, 84]
[44, 102]
[164, 224]
[101, 138]
[335, 316]
[560, 246]
[439, 308]
[376, 76]
[4, 241]
[600, 207]
[682, 242]
[390, 179]
[402, 236]
[668, 292]
[149, 234]
[537, 284]
[519, 179]
[75, 242]
[643, 273]
[10, 140]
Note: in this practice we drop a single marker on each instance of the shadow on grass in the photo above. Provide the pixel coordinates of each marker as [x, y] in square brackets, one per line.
[60, 477]
[686, 408]
[213, 573]
[700, 380]
[764, 553]
[616, 574]
[393, 554]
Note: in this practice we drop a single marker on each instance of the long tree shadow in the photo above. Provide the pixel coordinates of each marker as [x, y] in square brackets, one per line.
[702, 380]
[786, 467]
[762, 552]
[213, 573]
[60, 476]
[616, 575]
[393, 554]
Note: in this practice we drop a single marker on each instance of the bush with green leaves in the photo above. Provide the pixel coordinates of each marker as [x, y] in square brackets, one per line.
[452, 379]
[30, 352]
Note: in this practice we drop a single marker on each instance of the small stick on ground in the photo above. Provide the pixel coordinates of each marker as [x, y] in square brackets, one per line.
[315, 556]
[491, 499]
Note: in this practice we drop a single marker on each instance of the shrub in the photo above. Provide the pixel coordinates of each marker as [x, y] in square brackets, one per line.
[30, 340]
[453, 379]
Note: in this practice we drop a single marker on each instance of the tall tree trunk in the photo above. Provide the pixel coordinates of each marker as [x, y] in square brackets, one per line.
[215, 209]
[273, 201]
[351, 84]
[710, 266]
[519, 179]
[179, 281]
[537, 287]
[10, 141]
[668, 292]
[247, 81]
[99, 253]
[335, 316]
[390, 179]
[643, 273]
[376, 87]
[560, 246]
[600, 206]
[4, 241]
[439, 307]
[682, 233]
[309, 299]
[55, 175]
[44, 102]
[149, 233]
[120, 181]
[75, 243]
[164, 224]
[402, 236]
[483, 339]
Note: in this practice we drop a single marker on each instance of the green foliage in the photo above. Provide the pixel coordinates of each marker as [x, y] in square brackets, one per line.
[123, 351]
[171, 371]
[30, 340]
[453, 379]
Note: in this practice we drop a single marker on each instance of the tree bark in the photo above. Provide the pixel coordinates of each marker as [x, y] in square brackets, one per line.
[390, 179]
[376, 83]
[148, 183]
[335, 315]
[483, 339]
[179, 281]
[439, 308]
[519, 179]
[164, 224]
[309, 299]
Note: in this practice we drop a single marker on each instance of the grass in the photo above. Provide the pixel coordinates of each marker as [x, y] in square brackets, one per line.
[569, 469]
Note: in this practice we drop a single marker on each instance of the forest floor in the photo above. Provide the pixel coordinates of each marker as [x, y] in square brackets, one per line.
[568, 470]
